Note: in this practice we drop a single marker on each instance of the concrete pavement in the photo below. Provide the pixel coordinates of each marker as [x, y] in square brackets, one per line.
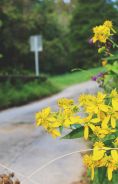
[25, 148]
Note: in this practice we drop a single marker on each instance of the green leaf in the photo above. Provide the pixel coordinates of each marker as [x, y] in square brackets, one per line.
[101, 174]
[109, 139]
[77, 133]
[61, 129]
[112, 58]
[77, 125]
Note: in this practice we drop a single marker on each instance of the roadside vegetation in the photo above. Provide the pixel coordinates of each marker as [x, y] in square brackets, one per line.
[14, 95]
[65, 80]
[94, 116]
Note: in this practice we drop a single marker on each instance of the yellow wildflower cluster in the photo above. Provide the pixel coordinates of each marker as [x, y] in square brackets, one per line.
[103, 32]
[47, 119]
[53, 120]
[100, 158]
[102, 116]
[99, 123]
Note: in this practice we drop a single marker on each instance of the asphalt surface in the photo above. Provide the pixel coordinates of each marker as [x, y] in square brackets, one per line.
[26, 148]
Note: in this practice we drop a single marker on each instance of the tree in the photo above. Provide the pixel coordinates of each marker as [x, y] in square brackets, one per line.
[19, 20]
[86, 15]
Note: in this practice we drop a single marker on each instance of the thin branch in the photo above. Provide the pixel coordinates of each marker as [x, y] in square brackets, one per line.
[68, 154]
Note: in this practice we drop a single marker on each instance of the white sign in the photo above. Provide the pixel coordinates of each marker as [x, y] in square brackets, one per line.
[36, 43]
[36, 47]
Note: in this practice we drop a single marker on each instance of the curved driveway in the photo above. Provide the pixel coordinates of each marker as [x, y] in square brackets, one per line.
[25, 148]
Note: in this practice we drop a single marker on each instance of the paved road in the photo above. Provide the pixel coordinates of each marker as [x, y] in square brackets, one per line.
[25, 148]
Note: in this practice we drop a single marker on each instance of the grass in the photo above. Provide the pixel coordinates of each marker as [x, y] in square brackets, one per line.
[65, 80]
[17, 95]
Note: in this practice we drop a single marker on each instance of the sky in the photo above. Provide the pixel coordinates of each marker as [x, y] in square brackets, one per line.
[67, 1]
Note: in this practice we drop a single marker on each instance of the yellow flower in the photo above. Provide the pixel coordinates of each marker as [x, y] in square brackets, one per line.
[112, 165]
[97, 105]
[72, 120]
[89, 162]
[111, 116]
[98, 154]
[115, 104]
[104, 62]
[42, 116]
[55, 133]
[102, 132]
[102, 162]
[89, 122]
[65, 103]
[67, 117]
[99, 150]
[101, 33]
[114, 155]
[86, 132]
[46, 119]
[85, 99]
[108, 24]
[109, 171]
[101, 96]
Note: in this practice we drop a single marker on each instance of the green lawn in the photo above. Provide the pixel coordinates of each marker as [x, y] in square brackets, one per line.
[17, 95]
[65, 80]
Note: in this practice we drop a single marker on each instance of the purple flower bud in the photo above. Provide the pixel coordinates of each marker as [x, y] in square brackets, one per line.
[94, 78]
[108, 44]
[100, 75]
[90, 41]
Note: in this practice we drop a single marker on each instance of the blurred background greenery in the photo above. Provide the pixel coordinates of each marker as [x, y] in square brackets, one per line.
[66, 29]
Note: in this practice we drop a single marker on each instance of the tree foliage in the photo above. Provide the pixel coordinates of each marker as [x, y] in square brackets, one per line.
[86, 15]
[19, 20]
[65, 44]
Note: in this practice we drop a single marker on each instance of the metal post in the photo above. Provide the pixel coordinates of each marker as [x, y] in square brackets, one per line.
[37, 63]
[36, 47]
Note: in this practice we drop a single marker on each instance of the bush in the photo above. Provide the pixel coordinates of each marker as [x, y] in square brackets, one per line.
[54, 57]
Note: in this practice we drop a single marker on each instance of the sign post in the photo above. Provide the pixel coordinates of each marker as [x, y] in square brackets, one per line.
[36, 47]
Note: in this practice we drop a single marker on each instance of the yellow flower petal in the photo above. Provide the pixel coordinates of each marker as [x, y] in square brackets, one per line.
[114, 155]
[113, 122]
[108, 24]
[38, 122]
[104, 108]
[115, 104]
[98, 154]
[109, 172]
[105, 122]
[95, 120]
[46, 111]
[92, 127]
[55, 124]
[55, 133]
[92, 172]
[86, 132]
